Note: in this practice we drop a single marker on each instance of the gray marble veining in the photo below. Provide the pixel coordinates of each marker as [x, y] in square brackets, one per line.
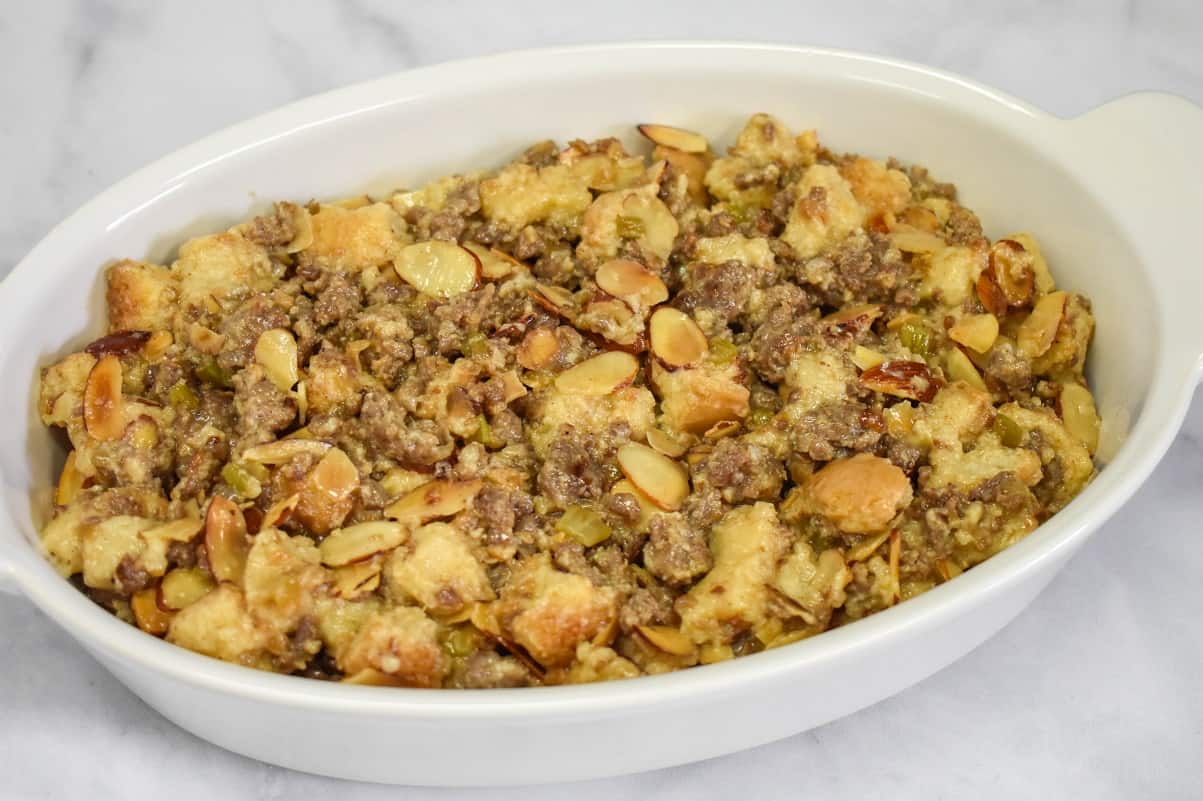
[1091, 693]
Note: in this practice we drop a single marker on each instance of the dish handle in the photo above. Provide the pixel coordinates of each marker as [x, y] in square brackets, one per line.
[1152, 146]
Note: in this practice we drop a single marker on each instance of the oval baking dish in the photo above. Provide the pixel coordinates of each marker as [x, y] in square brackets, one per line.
[1108, 194]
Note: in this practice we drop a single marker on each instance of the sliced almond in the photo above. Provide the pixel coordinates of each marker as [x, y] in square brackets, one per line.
[149, 616]
[226, 541]
[599, 375]
[104, 408]
[913, 240]
[975, 331]
[183, 587]
[361, 541]
[665, 443]
[279, 512]
[902, 379]
[866, 547]
[118, 343]
[539, 349]
[512, 386]
[441, 269]
[676, 138]
[676, 339]
[866, 358]
[181, 530]
[327, 495]
[991, 294]
[70, 482]
[1080, 415]
[556, 299]
[1036, 333]
[1013, 270]
[284, 450]
[276, 353]
[692, 165]
[721, 430]
[632, 282]
[853, 319]
[647, 507]
[357, 579]
[667, 639]
[663, 480]
[206, 340]
[157, 345]
[439, 498]
[960, 368]
[494, 264]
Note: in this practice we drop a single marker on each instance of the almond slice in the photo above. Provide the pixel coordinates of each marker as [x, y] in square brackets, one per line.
[183, 587]
[676, 339]
[361, 541]
[539, 348]
[975, 331]
[119, 343]
[991, 294]
[632, 282]
[512, 386]
[226, 542]
[1078, 411]
[439, 498]
[356, 579]
[70, 482]
[721, 430]
[853, 319]
[1013, 271]
[104, 408]
[206, 340]
[676, 138]
[279, 512]
[149, 616]
[1036, 333]
[494, 264]
[556, 299]
[276, 353]
[647, 507]
[866, 358]
[960, 368]
[661, 479]
[284, 450]
[665, 444]
[441, 269]
[913, 240]
[667, 639]
[181, 530]
[599, 375]
[902, 379]
[327, 495]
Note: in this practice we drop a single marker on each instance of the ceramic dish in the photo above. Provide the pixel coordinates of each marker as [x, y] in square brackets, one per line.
[1112, 195]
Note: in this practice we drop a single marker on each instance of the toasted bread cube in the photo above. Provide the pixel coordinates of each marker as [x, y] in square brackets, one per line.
[549, 613]
[140, 296]
[733, 597]
[221, 626]
[353, 239]
[401, 642]
[437, 569]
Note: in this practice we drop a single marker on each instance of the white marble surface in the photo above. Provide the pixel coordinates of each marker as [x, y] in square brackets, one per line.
[1094, 692]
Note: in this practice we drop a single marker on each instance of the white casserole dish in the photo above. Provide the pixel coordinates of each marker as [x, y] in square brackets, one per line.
[1113, 197]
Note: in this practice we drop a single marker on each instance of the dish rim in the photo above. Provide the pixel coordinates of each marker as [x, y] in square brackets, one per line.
[99, 630]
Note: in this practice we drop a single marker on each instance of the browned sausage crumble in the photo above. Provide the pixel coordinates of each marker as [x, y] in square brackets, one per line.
[585, 417]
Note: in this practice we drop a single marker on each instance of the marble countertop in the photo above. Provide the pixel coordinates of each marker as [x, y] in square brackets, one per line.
[1093, 692]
